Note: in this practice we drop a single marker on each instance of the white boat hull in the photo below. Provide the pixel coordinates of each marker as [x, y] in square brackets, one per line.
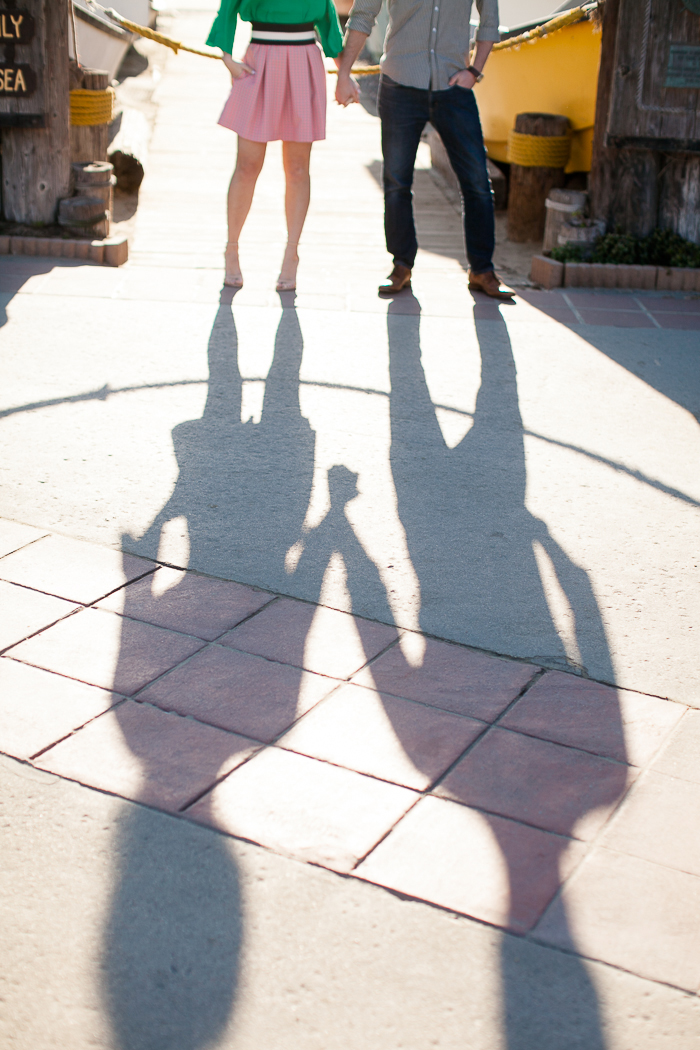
[97, 50]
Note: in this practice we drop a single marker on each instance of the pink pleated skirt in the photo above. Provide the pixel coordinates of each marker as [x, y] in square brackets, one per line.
[285, 98]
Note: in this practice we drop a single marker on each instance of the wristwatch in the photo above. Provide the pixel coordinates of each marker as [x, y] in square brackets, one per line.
[477, 74]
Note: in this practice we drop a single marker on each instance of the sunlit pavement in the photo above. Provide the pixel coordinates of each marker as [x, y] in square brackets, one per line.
[341, 636]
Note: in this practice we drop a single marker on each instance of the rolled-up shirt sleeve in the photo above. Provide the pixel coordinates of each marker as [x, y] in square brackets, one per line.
[364, 14]
[488, 24]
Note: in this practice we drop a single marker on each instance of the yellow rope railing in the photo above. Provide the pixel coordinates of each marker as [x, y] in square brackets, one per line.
[568, 18]
[151, 34]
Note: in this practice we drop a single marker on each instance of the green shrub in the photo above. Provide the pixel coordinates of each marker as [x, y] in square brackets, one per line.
[660, 248]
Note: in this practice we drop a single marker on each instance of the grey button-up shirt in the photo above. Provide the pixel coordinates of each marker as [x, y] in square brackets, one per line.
[427, 39]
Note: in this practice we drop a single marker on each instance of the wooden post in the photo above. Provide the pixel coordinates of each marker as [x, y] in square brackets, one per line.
[646, 149]
[36, 152]
[89, 142]
[529, 187]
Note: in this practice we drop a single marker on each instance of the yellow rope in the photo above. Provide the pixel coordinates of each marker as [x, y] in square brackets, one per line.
[359, 71]
[175, 45]
[150, 34]
[88, 108]
[577, 14]
[538, 151]
[559, 22]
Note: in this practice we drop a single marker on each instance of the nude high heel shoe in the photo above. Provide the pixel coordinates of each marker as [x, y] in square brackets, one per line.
[233, 277]
[288, 283]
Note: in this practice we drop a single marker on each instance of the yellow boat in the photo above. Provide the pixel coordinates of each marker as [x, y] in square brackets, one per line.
[557, 73]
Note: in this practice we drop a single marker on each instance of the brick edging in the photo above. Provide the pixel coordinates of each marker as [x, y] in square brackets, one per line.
[552, 274]
[114, 251]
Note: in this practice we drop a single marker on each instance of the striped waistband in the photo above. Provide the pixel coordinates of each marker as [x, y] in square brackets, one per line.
[283, 33]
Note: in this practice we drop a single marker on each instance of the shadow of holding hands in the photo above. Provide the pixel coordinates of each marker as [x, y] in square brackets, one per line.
[173, 940]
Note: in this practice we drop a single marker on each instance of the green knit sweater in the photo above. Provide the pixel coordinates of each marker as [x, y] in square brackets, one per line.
[285, 12]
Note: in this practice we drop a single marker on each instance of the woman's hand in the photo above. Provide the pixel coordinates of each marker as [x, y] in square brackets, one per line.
[237, 69]
[347, 90]
[463, 79]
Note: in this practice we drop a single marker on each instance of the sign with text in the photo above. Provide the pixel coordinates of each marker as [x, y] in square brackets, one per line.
[16, 25]
[683, 69]
[22, 62]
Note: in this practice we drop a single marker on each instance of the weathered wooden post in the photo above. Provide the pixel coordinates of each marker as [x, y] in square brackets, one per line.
[646, 150]
[34, 108]
[538, 149]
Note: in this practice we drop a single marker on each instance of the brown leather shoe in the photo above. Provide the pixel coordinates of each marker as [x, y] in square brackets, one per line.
[489, 283]
[399, 278]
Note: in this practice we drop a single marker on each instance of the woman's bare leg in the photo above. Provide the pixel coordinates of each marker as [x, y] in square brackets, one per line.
[295, 157]
[249, 164]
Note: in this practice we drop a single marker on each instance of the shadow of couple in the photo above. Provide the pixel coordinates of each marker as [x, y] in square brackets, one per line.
[172, 943]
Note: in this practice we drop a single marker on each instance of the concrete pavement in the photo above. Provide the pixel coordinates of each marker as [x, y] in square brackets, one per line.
[465, 502]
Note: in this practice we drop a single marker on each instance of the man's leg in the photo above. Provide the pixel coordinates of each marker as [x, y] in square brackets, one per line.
[404, 113]
[455, 117]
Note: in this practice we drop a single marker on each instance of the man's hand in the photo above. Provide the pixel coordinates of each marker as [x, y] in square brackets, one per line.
[347, 90]
[463, 79]
[237, 69]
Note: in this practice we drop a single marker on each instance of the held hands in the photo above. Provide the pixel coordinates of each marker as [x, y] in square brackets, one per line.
[463, 79]
[347, 89]
[237, 69]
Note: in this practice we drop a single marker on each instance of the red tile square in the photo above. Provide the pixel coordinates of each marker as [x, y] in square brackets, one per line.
[615, 318]
[630, 913]
[543, 300]
[615, 723]
[680, 756]
[603, 300]
[23, 612]
[182, 601]
[397, 740]
[239, 692]
[563, 315]
[453, 678]
[78, 572]
[659, 821]
[311, 636]
[549, 786]
[486, 867]
[304, 809]
[104, 649]
[674, 306]
[13, 536]
[142, 753]
[38, 708]
[679, 322]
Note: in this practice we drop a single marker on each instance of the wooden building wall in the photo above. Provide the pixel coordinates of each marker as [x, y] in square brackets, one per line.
[646, 153]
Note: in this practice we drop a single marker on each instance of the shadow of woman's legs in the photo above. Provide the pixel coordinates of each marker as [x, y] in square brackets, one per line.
[172, 942]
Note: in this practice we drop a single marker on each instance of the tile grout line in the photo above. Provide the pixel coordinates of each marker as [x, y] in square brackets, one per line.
[427, 792]
[76, 729]
[573, 309]
[644, 310]
[40, 630]
[594, 842]
[22, 546]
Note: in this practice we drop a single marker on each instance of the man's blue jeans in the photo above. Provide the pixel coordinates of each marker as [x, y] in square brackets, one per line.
[404, 112]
